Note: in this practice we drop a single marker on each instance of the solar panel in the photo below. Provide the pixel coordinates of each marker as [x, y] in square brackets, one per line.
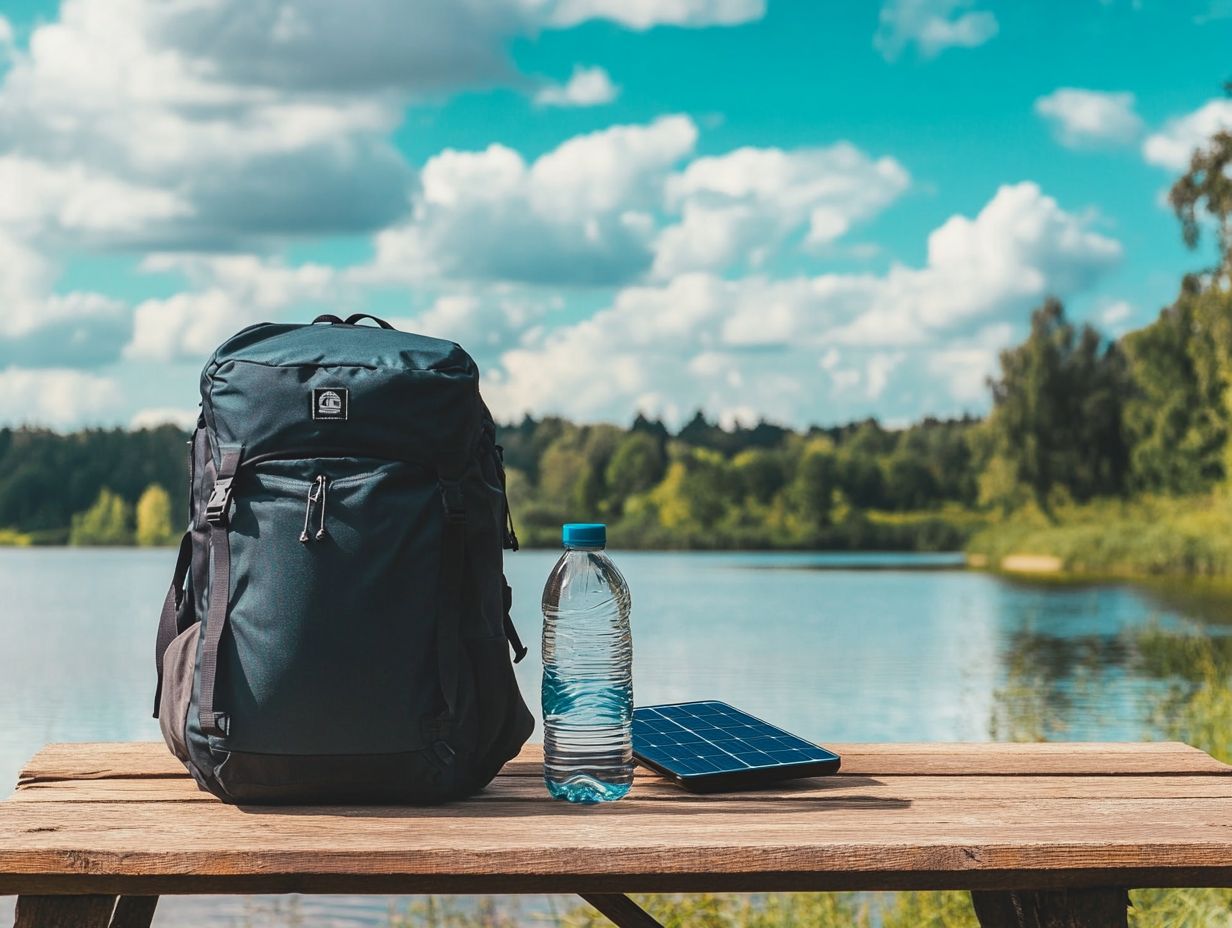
[710, 744]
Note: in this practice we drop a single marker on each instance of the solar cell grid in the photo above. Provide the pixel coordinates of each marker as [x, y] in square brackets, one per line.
[712, 737]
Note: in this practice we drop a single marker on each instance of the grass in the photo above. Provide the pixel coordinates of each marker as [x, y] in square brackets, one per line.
[1146, 536]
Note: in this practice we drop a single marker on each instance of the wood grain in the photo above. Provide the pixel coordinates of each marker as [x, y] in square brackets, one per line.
[127, 819]
[139, 760]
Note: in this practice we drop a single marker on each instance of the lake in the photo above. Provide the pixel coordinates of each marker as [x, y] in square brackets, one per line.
[834, 647]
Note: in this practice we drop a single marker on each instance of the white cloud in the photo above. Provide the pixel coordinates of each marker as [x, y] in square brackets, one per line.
[56, 397]
[932, 26]
[1115, 316]
[585, 87]
[642, 14]
[231, 291]
[163, 415]
[736, 207]
[1172, 146]
[601, 207]
[796, 346]
[965, 365]
[227, 124]
[577, 214]
[40, 327]
[1090, 117]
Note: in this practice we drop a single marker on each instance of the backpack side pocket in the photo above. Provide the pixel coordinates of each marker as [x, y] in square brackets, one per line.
[178, 666]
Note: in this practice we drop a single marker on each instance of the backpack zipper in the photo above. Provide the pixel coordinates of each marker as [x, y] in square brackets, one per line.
[316, 494]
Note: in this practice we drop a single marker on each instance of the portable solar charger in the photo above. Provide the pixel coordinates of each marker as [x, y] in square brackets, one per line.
[709, 747]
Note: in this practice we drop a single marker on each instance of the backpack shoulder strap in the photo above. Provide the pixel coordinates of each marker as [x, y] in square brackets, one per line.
[171, 621]
[218, 515]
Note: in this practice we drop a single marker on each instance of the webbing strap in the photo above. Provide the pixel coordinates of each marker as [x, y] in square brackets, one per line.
[218, 514]
[511, 631]
[449, 615]
[169, 620]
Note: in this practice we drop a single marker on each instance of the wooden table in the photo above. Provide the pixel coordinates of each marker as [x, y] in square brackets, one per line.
[1044, 834]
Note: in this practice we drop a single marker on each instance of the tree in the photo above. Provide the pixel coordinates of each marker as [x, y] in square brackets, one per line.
[636, 467]
[107, 522]
[1057, 409]
[154, 517]
[1205, 190]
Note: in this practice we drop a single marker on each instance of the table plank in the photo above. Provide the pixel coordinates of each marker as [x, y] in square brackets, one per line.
[938, 841]
[153, 760]
[126, 818]
[656, 789]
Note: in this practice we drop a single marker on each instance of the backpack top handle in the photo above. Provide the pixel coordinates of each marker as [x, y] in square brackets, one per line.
[357, 317]
[350, 320]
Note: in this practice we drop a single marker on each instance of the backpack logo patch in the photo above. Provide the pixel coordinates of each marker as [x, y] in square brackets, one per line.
[330, 402]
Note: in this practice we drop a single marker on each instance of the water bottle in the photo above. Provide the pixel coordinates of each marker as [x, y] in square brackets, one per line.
[587, 672]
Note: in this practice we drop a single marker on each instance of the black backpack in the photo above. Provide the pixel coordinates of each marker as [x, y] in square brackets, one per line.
[337, 628]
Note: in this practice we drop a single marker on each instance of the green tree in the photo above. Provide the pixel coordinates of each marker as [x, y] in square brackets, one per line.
[1057, 406]
[1205, 190]
[154, 517]
[812, 488]
[107, 522]
[636, 467]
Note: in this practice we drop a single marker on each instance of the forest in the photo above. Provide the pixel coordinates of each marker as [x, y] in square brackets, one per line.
[1112, 454]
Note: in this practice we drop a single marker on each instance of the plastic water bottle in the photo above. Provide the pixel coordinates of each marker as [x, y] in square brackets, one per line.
[587, 672]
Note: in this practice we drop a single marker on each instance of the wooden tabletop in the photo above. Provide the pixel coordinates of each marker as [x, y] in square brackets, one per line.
[126, 819]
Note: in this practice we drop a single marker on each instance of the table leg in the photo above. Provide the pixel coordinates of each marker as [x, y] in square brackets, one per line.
[134, 912]
[620, 910]
[64, 911]
[1057, 908]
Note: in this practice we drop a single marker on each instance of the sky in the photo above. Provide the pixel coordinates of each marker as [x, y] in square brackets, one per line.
[794, 209]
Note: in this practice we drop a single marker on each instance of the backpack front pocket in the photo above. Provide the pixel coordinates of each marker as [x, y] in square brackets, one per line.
[330, 643]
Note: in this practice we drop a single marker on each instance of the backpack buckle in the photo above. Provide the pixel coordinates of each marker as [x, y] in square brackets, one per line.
[454, 500]
[219, 502]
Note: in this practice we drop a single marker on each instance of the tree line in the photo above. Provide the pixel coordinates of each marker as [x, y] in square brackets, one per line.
[1075, 417]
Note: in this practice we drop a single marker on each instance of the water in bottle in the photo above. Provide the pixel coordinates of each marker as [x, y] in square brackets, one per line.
[587, 672]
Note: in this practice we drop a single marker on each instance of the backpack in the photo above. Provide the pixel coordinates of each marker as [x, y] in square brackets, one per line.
[337, 628]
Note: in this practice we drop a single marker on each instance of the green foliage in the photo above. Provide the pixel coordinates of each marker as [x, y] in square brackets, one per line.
[154, 517]
[1056, 420]
[1145, 536]
[107, 522]
[46, 478]
[1205, 191]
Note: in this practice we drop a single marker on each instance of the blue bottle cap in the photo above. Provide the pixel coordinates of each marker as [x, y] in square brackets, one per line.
[583, 534]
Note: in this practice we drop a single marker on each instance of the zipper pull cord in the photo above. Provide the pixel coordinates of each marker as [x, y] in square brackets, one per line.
[314, 493]
[321, 524]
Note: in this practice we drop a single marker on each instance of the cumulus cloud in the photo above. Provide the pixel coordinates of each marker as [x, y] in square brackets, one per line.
[231, 292]
[784, 346]
[56, 396]
[39, 327]
[738, 206]
[153, 417]
[225, 125]
[931, 26]
[643, 14]
[609, 207]
[1172, 146]
[1090, 117]
[577, 214]
[585, 87]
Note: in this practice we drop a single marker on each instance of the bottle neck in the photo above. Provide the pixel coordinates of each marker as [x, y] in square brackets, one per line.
[584, 547]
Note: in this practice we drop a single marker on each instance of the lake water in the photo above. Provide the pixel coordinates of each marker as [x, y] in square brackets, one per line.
[913, 650]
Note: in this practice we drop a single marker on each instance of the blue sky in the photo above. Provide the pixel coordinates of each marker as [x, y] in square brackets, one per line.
[808, 211]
